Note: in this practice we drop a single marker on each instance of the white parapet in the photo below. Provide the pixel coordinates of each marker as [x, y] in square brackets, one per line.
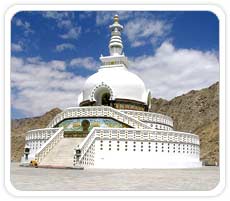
[36, 140]
[98, 111]
[155, 120]
[140, 148]
[133, 118]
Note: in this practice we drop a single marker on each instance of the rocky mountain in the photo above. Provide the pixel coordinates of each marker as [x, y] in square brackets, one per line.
[20, 126]
[196, 112]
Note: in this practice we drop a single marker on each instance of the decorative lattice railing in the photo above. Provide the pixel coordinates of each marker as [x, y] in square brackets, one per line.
[35, 139]
[88, 141]
[150, 117]
[136, 135]
[40, 134]
[48, 146]
[98, 111]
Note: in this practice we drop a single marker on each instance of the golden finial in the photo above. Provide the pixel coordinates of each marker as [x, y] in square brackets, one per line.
[116, 18]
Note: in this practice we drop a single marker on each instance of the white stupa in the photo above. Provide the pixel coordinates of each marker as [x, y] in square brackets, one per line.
[111, 127]
[114, 79]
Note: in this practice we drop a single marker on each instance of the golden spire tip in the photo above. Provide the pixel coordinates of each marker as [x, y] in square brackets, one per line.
[116, 18]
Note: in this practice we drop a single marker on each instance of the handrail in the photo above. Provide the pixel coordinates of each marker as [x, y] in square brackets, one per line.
[98, 111]
[43, 133]
[84, 146]
[48, 145]
[142, 115]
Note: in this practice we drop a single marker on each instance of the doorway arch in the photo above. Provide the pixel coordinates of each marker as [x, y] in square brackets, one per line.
[105, 99]
[102, 94]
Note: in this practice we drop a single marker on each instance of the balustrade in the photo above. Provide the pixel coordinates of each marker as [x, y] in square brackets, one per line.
[105, 112]
[149, 116]
[50, 143]
[136, 134]
[40, 134]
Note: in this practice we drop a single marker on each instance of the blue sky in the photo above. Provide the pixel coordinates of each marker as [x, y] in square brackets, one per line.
[53, 53]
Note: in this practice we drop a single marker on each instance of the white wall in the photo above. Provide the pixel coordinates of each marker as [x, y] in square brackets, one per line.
[141, 154]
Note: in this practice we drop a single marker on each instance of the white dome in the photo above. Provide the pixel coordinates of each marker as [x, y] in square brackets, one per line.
[118, 81]
[113, 81]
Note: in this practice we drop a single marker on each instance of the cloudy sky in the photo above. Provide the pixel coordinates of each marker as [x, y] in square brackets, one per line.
[53, 53]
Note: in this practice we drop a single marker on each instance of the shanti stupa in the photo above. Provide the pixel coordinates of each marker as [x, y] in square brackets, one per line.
[111, 127]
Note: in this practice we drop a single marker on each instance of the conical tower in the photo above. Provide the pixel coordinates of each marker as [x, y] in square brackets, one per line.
[116, 57]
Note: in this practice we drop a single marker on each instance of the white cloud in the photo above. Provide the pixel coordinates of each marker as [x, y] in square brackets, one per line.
[72, 33]
[85, 14]
[65, 21]
[87, 62]
[103, 17]
[16, 47]
[64, 46]
[140, 29]
[34, 60]
[57, 15]
[65, 24]
[137, 43]
[25, 25]
[39, 86]
[172, 72]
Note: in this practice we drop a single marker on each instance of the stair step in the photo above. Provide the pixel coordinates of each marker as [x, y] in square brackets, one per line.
[62, 154]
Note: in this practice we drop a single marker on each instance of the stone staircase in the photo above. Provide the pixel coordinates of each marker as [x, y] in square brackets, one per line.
[62, 154]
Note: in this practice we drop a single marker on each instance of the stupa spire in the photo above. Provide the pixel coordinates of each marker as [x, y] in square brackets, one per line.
[115, 44]
[117, 57]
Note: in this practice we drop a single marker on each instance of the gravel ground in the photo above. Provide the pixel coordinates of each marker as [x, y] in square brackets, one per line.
[38, 179]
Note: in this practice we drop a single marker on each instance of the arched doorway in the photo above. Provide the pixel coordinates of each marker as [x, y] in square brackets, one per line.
[102, 96]
[105, 99]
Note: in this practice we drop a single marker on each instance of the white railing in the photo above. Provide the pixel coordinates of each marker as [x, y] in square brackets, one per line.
[87, 142]
[98, 111]
[48, 146]
[137, 135]
[150, 117]
[36, 138]
[40, 134]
